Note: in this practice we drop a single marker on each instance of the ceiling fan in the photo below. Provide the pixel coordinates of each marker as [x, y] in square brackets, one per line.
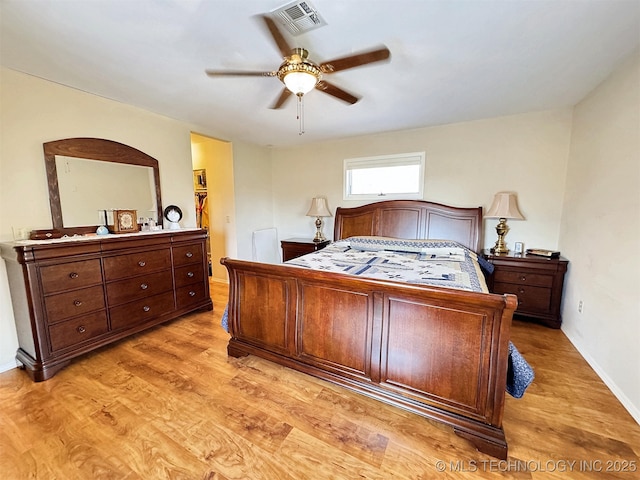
[300, 75]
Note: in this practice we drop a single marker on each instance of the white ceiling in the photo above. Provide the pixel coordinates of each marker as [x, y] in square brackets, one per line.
[451, 60]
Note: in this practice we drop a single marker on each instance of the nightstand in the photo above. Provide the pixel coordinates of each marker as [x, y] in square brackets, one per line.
[295, 247]
[537, 282]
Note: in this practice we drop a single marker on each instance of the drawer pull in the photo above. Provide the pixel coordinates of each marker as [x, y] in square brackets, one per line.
[146, 308]
[142, 263]
[192, 293]
[73, 275]
[189, 254]
[77, 303]
[523, 278]
[521, 290]
[81, 329]
[190, 274]
[144, 286]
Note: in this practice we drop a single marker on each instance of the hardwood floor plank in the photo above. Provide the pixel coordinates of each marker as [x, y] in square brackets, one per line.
[312, 459]
[156, 454]
[169, 403]
[323, 424]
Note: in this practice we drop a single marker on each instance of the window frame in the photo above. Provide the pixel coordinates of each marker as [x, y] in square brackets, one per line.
[399, 159]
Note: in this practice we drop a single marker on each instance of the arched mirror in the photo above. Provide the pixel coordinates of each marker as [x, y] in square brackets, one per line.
[90, 175]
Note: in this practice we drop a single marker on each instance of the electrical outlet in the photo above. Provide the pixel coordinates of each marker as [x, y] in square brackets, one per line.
[580, 306]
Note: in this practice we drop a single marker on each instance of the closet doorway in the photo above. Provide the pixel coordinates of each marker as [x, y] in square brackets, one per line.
[212, 161]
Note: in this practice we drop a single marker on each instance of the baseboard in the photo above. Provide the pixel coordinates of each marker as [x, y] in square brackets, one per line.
[218, 280]
[8, 366]
[633, 410]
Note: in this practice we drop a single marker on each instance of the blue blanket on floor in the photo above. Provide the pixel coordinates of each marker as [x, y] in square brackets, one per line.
[519, 372]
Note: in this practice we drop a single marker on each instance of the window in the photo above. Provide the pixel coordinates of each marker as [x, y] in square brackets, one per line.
[384, 177]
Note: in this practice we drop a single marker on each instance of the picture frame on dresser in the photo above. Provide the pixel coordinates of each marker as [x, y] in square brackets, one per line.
[125, 221]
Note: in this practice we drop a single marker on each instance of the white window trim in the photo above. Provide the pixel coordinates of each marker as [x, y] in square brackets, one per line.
[384, 161]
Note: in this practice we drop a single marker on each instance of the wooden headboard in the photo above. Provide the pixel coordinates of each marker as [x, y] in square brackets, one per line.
[411, 219]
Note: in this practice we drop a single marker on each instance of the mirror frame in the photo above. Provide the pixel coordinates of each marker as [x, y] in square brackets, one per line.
[92, 149]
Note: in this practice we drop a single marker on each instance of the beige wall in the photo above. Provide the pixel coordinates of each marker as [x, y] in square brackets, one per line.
[34, 111]
[466, 163]
[254, 194]
[216, 157]
[600, 232]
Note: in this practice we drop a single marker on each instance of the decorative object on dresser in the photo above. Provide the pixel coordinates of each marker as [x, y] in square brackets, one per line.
[44, 234]
[319, 209]
[173, 215]
[295, 247]
[102, 230]
[537, 281]
[125, 221]
[72, 296]
[438, 352]
[504, 206]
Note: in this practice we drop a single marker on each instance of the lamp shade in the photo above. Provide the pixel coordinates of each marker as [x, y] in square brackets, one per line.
[319, 208]
[505, 205]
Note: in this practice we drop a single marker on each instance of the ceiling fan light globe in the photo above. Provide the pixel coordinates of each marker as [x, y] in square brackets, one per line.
[299, 77]
[300, 83]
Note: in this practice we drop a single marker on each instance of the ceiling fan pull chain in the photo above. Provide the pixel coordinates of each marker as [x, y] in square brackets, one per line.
[300, 114]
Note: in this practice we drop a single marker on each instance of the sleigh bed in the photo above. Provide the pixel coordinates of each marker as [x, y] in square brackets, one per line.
[438, 352]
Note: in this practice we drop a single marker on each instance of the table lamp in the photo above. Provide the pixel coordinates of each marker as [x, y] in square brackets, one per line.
[319, 209]
[505, 205]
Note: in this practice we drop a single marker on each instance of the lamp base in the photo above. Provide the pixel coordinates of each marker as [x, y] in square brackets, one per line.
[498, 251]
[501, 230]
[319, 236]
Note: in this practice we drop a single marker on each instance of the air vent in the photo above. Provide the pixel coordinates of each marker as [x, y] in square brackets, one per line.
[298, 17]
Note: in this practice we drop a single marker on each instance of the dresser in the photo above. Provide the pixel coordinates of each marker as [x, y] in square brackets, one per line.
[71, 296]
[537, 282]
[296, 247]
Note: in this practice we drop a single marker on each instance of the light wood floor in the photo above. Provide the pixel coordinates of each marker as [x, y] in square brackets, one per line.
[170, 404]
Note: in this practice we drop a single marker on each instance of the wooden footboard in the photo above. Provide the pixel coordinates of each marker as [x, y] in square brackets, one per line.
[438, 352]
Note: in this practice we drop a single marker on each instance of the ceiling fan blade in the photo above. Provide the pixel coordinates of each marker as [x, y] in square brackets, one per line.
[238, 73]
[356, 60]
[286, 93]
[283, 46]
[340, 94]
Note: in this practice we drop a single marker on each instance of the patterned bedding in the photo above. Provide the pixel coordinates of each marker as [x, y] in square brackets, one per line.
[441, 263]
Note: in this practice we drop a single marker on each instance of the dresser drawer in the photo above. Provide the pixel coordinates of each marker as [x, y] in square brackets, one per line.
[141, 311]
[190, 295]
[189, 274]
[77, 330]
[523, 277]
[67, 276]
[187, 254]
[530, 299]
[139, 287]
[71, 304]
[124, 266]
